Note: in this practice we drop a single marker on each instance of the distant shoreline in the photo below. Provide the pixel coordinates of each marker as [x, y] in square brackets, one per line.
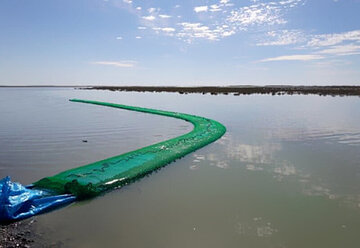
[43, 86]
[241, 90]
[338, 90]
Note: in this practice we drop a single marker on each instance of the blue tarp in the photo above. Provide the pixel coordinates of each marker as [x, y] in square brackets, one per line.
[19, 202]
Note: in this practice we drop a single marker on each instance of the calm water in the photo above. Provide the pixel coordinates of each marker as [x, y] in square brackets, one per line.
[286, 174]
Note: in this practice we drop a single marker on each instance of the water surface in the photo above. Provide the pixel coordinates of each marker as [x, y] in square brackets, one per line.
[286, 174]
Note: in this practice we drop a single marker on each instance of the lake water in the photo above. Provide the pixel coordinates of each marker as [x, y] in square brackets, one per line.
[286, 173]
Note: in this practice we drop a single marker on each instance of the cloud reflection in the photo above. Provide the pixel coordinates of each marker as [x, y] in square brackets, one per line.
[256, 227]
[267, 156]
[331, 135]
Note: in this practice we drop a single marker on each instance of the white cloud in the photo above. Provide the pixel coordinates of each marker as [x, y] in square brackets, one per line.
[164, 16]
[334, 39]
[138, 37]
[127, 1]
[123, 64]
[318, 46]
[235, 20]
[302, 57]
[119, 38]
[342, 50]
[215, 8]
[219, 20]
[269, 13]
[323, 45]
[151, 10]
[142, 28]
[288, 2]
[149, 18]
[201, 9]
[227, 33]
[195, 30]
[168, 29]
[282, 37]
[287, 37]
[190, 31]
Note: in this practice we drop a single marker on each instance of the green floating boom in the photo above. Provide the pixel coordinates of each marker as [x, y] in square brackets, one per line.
[92, 179]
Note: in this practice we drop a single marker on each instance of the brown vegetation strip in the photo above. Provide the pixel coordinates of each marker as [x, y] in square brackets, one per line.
[242, 90]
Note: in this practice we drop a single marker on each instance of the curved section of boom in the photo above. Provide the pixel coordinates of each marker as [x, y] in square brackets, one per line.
[92, 179]
[19, 202]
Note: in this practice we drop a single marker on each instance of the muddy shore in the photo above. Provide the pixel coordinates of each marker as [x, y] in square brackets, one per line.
[241, 90]
[18, 234]
[25, 234]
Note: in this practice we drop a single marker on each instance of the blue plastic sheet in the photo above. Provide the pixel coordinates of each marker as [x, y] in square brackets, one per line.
[19, 202]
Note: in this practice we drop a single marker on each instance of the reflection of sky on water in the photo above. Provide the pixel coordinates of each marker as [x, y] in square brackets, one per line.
[256, 154]
[266, 157]
[287, 168]
[256, 226]
[257, 157]
[341, 136]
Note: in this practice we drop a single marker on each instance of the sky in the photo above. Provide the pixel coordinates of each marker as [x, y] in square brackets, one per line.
[183, 43]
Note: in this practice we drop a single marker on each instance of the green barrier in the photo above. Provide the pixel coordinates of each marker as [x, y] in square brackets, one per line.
[92, 179]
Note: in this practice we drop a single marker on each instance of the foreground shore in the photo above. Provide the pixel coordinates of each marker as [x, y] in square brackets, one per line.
[18, 234]
[241, 90]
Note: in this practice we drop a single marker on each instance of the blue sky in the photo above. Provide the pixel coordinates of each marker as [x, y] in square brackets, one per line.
[219, 42]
